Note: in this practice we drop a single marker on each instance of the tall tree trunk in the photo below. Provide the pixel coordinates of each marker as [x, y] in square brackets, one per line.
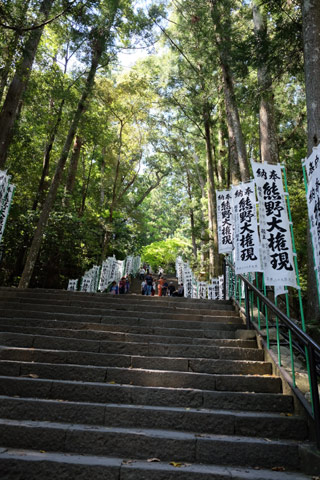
[233, 119]
[311, 46]
[102, 170]
[268, 136]
[203, 196]
[44, 216]
[211, 193]
[73, 167]
[18, 84]
[11, 49]
[193, 236]
[46, 159]
[86, 187]
[221, 18]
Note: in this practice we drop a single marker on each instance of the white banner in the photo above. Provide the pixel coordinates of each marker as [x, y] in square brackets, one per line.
[246, 238]
[275, 236]
[202, 290]
[211, 292]
[215, 287]
[4, 183]
[73, 285]
[312, 164]
[187, 281]
[195, 293]
[6, 203]
[221, 287]
[225, 221]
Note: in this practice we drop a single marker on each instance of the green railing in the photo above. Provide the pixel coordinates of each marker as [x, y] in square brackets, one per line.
[286, 331]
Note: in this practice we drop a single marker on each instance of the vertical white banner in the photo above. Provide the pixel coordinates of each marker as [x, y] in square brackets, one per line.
[225, 221]
[202, 290]
[312, 165]
[246, 238]
[4, 183]
[4, 212]
[215, 285]
[72, 285]
[275, 236]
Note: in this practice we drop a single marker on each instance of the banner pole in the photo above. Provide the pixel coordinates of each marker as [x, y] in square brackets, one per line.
[294, 249]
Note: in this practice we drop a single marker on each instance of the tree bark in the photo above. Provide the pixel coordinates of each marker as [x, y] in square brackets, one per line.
[18, 85]
[46, 159]
[73, 167]
[211, 192]
[44, 216]
[192, 225]
[233, 119]
[311, 47]
[268, 136]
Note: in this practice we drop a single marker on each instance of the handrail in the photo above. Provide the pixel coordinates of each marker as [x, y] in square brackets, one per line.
[311, 346]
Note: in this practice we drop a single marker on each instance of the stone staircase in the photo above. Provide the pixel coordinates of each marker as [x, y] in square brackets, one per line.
[138, 388]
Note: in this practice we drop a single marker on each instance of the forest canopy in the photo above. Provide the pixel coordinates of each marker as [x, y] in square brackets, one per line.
[112, 159]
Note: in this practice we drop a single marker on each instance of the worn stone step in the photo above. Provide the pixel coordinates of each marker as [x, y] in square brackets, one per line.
[224, 422]
[224, 331]
[143, 377]
[98, 308]
[156, 363]
[146, 443]
[132, 394]
[119, 336]
[131, 348]
[64, 295]
[114, 324]
[38, 311]
[53, 466]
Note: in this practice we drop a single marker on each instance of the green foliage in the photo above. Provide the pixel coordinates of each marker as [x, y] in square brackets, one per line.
[165, 252]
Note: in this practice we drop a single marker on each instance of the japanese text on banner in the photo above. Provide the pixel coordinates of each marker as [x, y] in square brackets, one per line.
[225, 221]
[275, 235]
[313, 200]
[246, 238]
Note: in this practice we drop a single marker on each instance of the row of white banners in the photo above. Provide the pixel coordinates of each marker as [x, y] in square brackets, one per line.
[238, 232]
[6, 195]
[213, 290]
[99, 278]
[312, 166]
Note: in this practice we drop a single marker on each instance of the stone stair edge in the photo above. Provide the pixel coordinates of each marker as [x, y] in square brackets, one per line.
[173, 445]
[145, 395]
[126, 469]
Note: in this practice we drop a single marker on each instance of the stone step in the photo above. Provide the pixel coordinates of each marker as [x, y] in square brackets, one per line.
[98, 308]
[138, 395]
[131, 348]
[53, 466]
[225, 330]
[174, 418]
[119, 336]
[85, 322]
[199, 365]
[56, 295]
[64, 313]
[143, 377]
[142, 443]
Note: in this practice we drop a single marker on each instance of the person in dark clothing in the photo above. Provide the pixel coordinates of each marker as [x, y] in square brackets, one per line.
[149, 283]
[171, 289]
[122, 285]
[164, 288]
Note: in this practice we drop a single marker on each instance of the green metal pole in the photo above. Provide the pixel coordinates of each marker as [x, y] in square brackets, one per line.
[266, 312]
[278, 335]
[297, 276]
[258, 302]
